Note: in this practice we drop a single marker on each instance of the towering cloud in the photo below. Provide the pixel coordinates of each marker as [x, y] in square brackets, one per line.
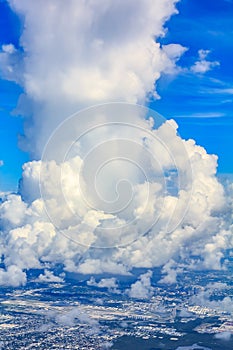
[120, 188]
[78, 53]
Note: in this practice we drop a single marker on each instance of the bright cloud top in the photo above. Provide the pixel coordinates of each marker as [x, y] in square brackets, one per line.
[85, 53]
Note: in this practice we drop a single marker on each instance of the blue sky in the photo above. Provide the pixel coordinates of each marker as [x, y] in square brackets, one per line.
[10, 126]
[200, 102]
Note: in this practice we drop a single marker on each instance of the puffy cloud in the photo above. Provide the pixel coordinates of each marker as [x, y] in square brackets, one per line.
[8, 48]
[109, 283]
[170, 270]
[62, 227]
[128, 181]
[38, 230]
[49, 277]
[12, 276]
[142, 288]
[204, 298]
[99, 266]
[174, 52]
[13, 211]
[202, 65]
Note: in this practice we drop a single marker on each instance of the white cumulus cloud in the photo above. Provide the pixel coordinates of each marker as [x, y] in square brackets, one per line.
[109, 283]
[142, 288]
[202, 65]
[107, 187]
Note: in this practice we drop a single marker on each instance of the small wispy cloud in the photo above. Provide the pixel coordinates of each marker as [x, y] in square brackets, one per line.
[202, 115]
[219, 90]
[1, 162]
[227, 91]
